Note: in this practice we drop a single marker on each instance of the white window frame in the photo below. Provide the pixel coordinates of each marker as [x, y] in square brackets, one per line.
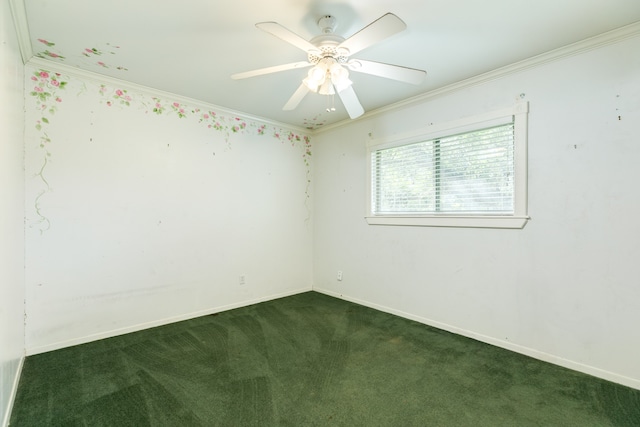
[518, 115]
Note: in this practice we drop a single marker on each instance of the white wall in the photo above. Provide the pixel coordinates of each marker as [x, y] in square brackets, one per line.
[565, 288]
[137, 218]
[11, 213]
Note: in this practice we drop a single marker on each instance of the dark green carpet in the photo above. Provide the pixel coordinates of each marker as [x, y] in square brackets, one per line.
[308, 360]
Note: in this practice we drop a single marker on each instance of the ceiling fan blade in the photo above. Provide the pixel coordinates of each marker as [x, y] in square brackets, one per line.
[389, 71]
[269, 70]
[297, 96]
[285, 34]
[383, 27]
[351, 102]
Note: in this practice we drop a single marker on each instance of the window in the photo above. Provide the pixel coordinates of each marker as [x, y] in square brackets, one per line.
[469, 173]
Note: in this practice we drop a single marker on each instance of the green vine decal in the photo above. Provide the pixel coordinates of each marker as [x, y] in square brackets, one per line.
[43, 222]
[45, 93]
[48, 85]
[227, 125]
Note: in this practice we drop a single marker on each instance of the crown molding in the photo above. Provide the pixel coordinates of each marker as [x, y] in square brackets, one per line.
[19, 15]
[135, 87]
[595, 42]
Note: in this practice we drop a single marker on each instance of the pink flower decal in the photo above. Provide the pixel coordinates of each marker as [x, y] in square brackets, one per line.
[158, 109]
[179, 110]
[122, 96]
[92, 51]
[45, 94]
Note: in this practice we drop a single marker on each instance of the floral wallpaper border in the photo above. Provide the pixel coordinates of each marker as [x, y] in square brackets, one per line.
[48, 93]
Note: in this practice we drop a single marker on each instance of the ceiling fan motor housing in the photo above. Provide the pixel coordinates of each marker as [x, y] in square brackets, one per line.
[328, 24]
[328, 42]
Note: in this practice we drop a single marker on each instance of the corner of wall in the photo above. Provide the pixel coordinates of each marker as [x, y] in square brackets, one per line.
[14, 392]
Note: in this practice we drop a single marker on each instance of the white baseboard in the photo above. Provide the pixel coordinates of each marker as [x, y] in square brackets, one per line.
[14, 392]
[536, 354]
[546, 357]
[160, 322]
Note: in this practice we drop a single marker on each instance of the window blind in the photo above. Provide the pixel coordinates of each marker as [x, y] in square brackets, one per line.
[467, 173]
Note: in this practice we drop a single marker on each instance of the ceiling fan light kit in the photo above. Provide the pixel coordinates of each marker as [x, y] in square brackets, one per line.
[328, 55]
[326, 75]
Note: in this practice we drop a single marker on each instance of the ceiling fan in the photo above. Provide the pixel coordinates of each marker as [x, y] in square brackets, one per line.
[329, 56]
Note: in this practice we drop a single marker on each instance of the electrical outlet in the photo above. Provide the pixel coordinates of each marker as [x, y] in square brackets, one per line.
[339, 276]
[242, 280]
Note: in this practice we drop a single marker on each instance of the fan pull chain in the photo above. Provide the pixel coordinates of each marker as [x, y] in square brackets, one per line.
[331, 104]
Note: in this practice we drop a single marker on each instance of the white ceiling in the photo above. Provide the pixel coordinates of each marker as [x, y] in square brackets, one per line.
[192, 47]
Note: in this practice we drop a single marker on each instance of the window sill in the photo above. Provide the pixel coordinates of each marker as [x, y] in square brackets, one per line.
[450, 221]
